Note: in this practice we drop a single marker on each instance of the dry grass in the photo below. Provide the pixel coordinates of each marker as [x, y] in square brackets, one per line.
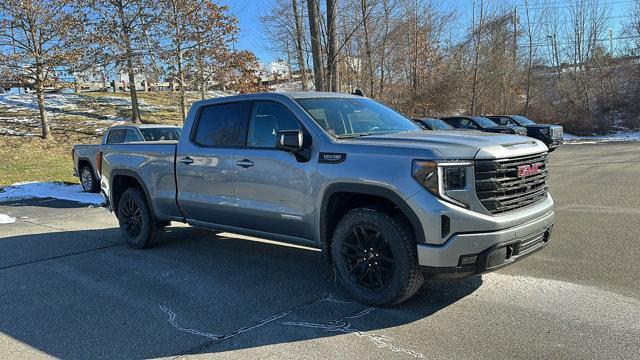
[29, 158]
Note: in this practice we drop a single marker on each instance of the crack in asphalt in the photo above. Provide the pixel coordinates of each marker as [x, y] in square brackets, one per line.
[218, 339]
[59, 256]
[343, 325]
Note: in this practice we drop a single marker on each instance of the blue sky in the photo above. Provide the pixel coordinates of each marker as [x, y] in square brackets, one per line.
[252, 35]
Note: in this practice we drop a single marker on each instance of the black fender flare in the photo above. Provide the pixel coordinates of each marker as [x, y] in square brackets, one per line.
[135, 175]
[366, 189]
[84, 158]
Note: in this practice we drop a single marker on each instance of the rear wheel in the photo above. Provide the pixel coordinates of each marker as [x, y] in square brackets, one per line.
[88, 180]
[137, 225]
[375, 257]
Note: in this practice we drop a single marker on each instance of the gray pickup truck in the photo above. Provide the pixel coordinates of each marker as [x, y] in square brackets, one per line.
[84, 156]
[389, 203]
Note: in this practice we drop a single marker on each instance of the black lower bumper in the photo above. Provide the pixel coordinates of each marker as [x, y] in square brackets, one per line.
[493, 258]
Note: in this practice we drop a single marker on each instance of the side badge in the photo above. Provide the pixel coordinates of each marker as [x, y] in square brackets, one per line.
[332, 158]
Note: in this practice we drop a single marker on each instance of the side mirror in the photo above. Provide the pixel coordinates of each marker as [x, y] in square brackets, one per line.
[290, 140]
[295, 142]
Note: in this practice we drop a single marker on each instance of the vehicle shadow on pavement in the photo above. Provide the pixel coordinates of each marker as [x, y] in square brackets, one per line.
[193, 293]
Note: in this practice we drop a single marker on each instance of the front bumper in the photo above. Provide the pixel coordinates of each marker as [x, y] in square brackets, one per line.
[467, 254]
[554, 143]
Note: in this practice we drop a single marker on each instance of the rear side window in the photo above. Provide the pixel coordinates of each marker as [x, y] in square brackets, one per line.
[504, 121]
[131, 136]
[222, 125]
[467, 124]
[267, 118]
[116, 136]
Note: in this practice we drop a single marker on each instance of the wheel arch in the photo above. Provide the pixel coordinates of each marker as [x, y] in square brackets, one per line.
[341, 198]
[120, 181]
[84, 161]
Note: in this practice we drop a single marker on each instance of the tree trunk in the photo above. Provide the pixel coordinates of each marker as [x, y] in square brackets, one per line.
[314, 29]
[529, 59]
[383, 50]
[135, 110]
[299, 51]
[44, 121]
[367, 47]
[332, 46]
[183, 99]
[476, 61]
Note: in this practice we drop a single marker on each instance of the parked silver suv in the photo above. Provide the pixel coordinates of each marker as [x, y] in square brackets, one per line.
[387, 202]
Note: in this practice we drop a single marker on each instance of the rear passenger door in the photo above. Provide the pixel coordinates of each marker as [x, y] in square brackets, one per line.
[272, 187]
[205, 165]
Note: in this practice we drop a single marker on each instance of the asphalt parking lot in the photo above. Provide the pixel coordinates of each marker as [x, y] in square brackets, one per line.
[70, 289]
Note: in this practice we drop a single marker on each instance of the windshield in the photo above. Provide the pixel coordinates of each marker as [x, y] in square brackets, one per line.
[483, 121]
[437, 124]
[521, 120]
[157, 134]
[348, 117]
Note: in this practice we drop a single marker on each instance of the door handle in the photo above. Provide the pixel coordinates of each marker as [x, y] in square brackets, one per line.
[186, 160]
[244, 163]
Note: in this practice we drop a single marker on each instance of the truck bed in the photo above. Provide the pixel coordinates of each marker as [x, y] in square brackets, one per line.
[152, 161]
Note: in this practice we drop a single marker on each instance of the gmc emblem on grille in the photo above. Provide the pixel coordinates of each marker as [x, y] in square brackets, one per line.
[528, 170]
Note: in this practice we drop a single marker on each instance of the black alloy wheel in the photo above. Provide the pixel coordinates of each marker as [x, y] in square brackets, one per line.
[368, 257]
[131, 218]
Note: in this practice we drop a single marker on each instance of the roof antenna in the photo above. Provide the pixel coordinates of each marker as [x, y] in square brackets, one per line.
[358, 92]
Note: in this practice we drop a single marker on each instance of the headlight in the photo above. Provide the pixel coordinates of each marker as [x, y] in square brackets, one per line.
[545, 131]
[441, 178]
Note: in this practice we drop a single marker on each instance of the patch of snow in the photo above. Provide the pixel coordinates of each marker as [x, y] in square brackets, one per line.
[615, 137]
[295, 86]
[11, 132]
[6, 219]
[125, 101]
[57, 190]
[51, 101]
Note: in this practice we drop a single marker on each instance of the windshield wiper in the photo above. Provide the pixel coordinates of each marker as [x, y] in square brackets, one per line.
[354, 135]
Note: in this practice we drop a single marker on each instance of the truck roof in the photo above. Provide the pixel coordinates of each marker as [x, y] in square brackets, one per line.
[143, 126]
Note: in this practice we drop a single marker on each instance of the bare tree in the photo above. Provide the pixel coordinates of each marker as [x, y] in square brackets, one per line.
[332, 45]
[316, 50]
[118, 28]
[477, 48]
[299, 36]
[38, 32]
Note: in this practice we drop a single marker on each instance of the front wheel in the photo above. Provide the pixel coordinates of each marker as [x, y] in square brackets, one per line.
[375, 257]
[138, 226]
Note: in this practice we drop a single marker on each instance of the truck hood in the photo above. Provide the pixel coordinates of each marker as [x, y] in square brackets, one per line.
[456, 144]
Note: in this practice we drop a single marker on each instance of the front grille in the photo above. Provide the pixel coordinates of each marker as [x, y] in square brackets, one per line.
[500, 189]
[556, 132]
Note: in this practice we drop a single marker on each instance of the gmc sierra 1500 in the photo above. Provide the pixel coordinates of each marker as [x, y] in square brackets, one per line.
[388, 202]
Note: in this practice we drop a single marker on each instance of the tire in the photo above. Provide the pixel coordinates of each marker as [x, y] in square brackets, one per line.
[384, 276]
[552, 150]
[88, 180]
[138, 226]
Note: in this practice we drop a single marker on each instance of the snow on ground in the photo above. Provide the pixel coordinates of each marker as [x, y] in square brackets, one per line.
[295, 86]
[615, 137]
[57, 190]
[65, 102]
[6, 219]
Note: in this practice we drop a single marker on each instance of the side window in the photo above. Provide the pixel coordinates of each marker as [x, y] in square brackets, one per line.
[508, 122]
[130, 136]
[504, 121]
[267, 118]
[222, 125]
[116, 136]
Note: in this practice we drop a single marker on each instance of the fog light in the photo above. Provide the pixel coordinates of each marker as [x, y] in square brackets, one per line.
[468, 260]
